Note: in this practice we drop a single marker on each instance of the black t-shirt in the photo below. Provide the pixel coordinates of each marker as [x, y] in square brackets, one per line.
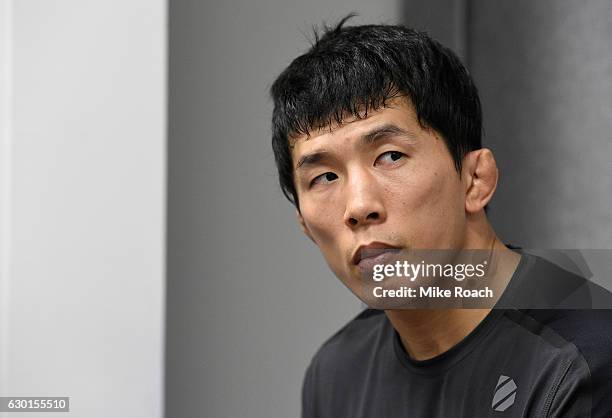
[515, 363]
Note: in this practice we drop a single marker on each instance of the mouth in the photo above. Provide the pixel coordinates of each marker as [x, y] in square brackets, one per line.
[366, 256]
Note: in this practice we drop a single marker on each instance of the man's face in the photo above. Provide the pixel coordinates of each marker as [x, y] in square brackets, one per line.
[383, 181]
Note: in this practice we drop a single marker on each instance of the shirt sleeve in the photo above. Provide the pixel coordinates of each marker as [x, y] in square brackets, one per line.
[308, 394]
[572, 398]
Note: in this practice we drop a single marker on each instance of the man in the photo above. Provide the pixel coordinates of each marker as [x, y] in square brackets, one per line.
[377, 140]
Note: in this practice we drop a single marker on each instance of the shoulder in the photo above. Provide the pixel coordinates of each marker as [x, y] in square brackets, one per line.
[332, 366]
[569, 349]
[590, 332]
[553, 284]
[353, 339]
[353, 344]
[568, 302]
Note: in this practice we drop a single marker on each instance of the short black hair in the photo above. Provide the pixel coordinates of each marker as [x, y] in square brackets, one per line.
[350, 70]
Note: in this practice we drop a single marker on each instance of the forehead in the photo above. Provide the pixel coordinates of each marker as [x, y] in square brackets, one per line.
[398, 111]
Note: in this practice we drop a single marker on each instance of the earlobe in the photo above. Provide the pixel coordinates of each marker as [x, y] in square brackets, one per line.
[482, 175]
[303, 226]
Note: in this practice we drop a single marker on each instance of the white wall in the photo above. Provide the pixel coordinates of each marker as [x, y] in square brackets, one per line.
[82, 200]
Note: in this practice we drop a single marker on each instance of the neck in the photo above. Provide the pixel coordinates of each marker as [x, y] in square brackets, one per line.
[426, 333]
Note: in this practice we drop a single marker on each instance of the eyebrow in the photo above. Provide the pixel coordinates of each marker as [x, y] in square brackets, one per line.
[376, 134]
[384, 132]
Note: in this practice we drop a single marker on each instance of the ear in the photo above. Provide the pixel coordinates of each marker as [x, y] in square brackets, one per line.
[305, 229]
[480, 177]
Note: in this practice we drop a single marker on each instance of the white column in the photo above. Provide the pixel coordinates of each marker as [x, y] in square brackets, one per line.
[6, 31]
[82, 203]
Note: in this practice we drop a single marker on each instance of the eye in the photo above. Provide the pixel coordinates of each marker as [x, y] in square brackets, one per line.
[324, 178]
[390, 157]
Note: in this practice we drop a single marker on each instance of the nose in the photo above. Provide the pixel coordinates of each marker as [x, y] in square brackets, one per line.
[364, 204]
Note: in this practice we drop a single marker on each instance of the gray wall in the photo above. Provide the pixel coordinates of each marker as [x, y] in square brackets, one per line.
[544, 70]
[445, 20]
[250, 299]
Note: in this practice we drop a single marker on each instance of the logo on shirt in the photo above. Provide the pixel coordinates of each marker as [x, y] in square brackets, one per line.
[505, 392]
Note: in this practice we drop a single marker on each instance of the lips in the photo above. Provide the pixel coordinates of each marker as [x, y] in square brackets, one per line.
[369, 255]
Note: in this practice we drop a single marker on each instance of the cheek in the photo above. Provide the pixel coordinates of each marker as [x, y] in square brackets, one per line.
[426, 205]
[326, 229]
[419, 188]
[322, 222]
